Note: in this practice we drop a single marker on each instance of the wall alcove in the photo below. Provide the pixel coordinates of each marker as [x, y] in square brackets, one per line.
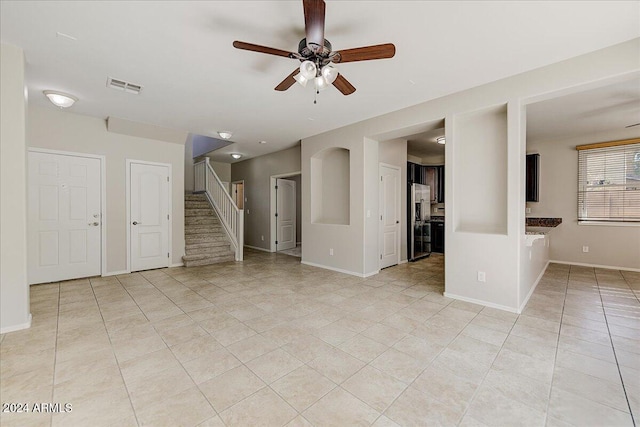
[330, 186]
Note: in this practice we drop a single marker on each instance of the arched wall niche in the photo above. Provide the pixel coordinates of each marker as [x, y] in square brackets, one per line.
[330, 186]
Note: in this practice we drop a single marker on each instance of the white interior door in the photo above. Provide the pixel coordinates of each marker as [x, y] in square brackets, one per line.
[286, 214]
[149, 216]
[64, 228]
[389, 216]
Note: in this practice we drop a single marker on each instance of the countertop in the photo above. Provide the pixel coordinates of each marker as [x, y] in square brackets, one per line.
[539, 228]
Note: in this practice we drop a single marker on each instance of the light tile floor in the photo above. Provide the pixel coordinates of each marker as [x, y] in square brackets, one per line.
[272, 342]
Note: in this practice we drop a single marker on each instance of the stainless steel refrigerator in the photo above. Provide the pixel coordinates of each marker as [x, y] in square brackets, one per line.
[419, 220]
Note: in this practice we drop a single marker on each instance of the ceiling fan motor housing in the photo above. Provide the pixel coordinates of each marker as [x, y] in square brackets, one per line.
[308, 54]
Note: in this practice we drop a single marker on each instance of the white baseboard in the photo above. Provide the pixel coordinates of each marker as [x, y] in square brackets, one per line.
[404, 261]
[177, 264]
[19, 327]
[257, 248]
[485, 303]
[582, 264]
[115, 273]
[533, 288]
[371, 274]
[339, 270]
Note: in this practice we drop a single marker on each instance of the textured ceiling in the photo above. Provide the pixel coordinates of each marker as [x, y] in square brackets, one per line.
[194, 80]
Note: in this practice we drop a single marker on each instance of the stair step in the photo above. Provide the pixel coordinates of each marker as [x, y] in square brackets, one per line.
[208, 229]
[198, 212]
[202, 238]
[211, 244]
[208, 261]
[196, 196]
[203, 220]
[214, 252]
[193, 204]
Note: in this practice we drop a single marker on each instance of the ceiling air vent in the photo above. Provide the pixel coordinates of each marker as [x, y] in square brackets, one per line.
[124, 86]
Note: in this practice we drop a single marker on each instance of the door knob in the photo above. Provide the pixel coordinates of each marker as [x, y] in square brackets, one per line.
[94, 224]
[136, 223]
[397, 222]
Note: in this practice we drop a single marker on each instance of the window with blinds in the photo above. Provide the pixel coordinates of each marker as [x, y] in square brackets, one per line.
[609, 181]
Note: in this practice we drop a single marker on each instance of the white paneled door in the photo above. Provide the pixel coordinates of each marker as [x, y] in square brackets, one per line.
[286, 214]
[389, 216]
[64, 227]
[149, 215]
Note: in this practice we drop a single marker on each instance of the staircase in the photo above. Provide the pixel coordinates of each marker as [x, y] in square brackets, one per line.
[205, 240]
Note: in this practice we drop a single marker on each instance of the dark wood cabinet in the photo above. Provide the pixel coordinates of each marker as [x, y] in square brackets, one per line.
[533, 172]
[437, 237]
[440, 193]
[431, 173]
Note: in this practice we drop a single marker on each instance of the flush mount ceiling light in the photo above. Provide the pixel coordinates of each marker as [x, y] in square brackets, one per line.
[262, 142]
[236, 156]
[59, 99]
[225, 134]
[440, 140]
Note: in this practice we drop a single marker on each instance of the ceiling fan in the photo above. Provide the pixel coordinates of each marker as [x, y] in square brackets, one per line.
[315, 54]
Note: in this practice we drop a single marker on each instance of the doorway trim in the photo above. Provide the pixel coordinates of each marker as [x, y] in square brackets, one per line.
[103, 197]
[233, 184]
[128, 163]
[272, 207]
[398, 211]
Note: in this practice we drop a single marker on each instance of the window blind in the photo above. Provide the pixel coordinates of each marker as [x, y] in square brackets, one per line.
[609, 182]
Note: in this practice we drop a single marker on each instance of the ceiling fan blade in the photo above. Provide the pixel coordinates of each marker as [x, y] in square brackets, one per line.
[343, 85]
[288, 81]
[314, 24]
[262, 49]
[379, 51]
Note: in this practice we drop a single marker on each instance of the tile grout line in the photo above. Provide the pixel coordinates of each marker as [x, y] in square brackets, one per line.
[606, 321]
[135, 414]
[555, 355]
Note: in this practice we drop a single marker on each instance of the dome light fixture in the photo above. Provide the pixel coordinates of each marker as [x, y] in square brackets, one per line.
[440, 140]
[262, 142]
[59, 99]
[224, 134]
[236, 155]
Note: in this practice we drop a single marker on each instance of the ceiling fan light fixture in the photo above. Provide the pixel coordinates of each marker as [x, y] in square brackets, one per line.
[330, 74]
[225, 134]
[441, 140]
[236, 155]
[59, 99]
[308, 69]
[301, 79]
[321, 83]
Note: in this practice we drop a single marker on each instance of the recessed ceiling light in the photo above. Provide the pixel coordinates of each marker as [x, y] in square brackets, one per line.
[59, 99]
[440, 140]
[236, 156]
[225, 134]
[262, 142]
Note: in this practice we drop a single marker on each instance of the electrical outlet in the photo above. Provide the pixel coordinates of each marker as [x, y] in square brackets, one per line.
[331, 251]
[585, 249]
[482, 277]
[368, 213]
[527, 210]
[262, 238]
[435, 210]
[247, 211]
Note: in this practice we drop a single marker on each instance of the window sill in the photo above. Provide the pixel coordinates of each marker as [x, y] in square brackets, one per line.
[610, 223]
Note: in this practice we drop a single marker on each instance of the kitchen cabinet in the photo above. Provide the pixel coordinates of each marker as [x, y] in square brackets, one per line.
[440, 193]
[431, 173]
[533, 171]
[433, 176]
[437, 236]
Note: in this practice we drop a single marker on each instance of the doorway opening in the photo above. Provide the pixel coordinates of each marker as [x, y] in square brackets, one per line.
[237, 193]
[286, 214]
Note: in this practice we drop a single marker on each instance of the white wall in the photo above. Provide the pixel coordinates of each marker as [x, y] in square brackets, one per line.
[256, 174]
[394, 152]
[617, 247]
[54, 129]
[498, 255]
[14, 290]
[223, 170]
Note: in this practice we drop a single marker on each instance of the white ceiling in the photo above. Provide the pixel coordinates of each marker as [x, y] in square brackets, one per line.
[194, 80]
[608, 108]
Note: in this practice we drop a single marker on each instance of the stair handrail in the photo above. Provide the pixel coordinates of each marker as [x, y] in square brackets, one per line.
[206, 180]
